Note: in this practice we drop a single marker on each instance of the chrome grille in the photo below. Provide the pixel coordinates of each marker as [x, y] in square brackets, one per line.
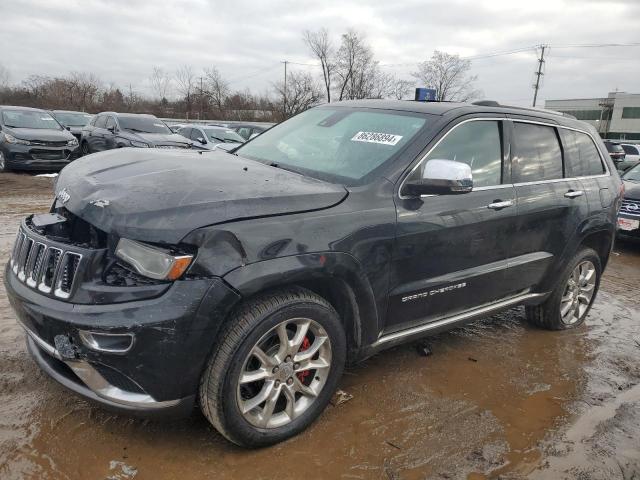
[49, 269]
[630, 207]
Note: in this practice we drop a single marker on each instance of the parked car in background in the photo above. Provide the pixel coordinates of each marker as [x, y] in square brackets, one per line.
[616, 152]
[72, 121]
[176, 128]
[245, 284]
[109, 130]
[211, 138]
[32, 139]
[629, 214]
[248, 131]
[632, 155]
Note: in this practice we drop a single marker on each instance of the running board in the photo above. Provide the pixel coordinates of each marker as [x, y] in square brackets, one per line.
[478, 312]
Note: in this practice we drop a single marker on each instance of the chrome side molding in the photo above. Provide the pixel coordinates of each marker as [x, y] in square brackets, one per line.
[456, 318]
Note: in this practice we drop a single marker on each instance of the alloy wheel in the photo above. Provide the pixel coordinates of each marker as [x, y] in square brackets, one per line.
[2, 164]
[578, 293]
[284, 373]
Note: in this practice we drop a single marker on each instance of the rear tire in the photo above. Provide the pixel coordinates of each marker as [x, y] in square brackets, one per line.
[571, 300]
[288, 393]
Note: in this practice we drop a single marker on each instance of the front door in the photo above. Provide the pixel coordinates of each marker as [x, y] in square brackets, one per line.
[452, 251]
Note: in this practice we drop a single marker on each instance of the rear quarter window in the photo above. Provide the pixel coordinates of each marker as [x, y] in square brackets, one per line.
[581, 154]
[536, 153]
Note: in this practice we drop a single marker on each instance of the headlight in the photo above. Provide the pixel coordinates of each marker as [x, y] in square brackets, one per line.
[135, 143]
[11, 139]
[72, 143]
[152, 262]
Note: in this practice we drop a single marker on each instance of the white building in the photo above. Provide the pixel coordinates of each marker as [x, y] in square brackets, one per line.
[617, 116]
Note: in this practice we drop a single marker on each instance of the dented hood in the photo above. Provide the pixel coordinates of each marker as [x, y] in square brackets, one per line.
[161, 196]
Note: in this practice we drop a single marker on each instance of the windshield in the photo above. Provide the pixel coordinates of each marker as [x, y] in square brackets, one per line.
[339, 145]
[633, 175]
[29, 119]
[218, 135]
[143, 124]
[73, 119]
[614, 148]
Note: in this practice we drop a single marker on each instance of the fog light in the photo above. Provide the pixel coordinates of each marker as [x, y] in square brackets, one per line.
[107, 342]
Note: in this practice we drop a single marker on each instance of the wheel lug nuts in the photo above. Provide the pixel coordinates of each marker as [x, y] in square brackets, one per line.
[290, 381]
[296, 366]
[277, 383]
[288, 359]
[275, 369]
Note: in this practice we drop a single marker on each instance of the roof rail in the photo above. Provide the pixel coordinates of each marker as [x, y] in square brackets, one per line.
[493, 103]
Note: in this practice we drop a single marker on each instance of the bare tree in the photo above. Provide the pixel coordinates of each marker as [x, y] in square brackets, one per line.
[302, 90]
[85, 88]
[217, 88]
[5, 76]
[401, 89]
[356, 69]
[449, 75]
[185, 78]
[160, 81]
[321, 46]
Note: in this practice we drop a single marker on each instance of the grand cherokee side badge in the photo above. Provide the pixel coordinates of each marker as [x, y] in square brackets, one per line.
[436, 291]
[63, 195]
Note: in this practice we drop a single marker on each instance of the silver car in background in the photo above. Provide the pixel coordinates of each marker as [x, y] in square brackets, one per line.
[210, 137]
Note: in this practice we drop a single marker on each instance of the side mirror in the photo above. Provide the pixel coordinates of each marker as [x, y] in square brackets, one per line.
[67, 128]
[201, 140]
[112, 129]
[441, 177]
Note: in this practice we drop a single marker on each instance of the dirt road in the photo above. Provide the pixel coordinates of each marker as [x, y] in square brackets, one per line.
[497, 399]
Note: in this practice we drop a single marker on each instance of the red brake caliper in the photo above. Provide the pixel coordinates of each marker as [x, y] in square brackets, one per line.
[303, 375]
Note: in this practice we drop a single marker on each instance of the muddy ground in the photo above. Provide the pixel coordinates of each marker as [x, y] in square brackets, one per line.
[496, 399]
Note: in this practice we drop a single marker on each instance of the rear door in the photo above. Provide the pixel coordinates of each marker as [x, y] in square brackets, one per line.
[584, 161]
[452, 251]
[551, 204]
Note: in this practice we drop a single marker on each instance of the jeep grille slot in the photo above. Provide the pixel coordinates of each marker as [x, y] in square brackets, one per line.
[66, 274]
[49, 269]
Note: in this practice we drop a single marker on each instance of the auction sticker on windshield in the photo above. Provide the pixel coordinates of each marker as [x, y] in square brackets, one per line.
[373, 137]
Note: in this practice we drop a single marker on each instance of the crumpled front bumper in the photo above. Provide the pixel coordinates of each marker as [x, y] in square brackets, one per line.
[173, 337]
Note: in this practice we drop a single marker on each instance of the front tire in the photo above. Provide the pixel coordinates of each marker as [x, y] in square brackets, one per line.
[84, 148]
[4, 168]
[276, 366]
[571, 300]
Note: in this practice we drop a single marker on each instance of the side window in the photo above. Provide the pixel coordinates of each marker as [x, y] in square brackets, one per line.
[580, 154]
[110, 122]
[476, 143]
[185, 132]
[630, 149]
[536, 153]
[589, 157]
[101, 121]
[245, 132]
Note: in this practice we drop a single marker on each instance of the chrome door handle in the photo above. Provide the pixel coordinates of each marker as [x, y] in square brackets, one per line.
[574, 193]
[500, 205]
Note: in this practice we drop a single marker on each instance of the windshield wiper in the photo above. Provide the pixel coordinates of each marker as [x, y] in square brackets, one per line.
[137, 130]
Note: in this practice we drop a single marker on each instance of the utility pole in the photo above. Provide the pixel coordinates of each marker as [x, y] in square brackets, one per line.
[285, 89]
[539, 74]
[201, 101]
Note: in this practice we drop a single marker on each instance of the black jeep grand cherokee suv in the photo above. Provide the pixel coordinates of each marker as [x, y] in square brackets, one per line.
[245, 282]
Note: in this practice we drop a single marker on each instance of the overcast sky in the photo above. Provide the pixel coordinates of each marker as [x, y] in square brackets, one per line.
[121, 40]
